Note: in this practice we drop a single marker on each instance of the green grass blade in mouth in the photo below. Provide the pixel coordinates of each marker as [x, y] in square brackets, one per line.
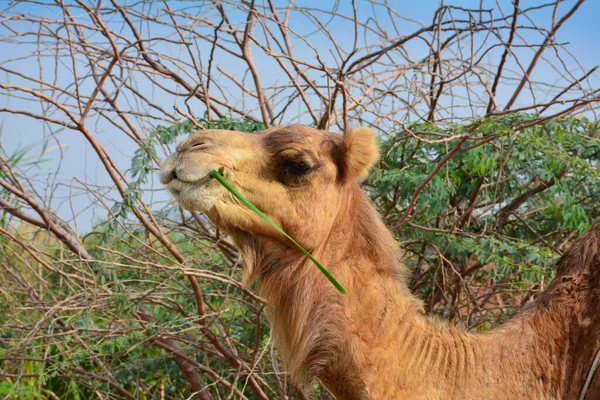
[218, 175]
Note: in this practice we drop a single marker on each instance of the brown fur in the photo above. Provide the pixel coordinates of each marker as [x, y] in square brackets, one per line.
[375, 342]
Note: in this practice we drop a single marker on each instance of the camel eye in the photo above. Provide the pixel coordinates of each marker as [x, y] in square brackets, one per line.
[295, 170]
[297, 167]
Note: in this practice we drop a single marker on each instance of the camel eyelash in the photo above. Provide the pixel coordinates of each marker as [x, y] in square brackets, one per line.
[297, 167]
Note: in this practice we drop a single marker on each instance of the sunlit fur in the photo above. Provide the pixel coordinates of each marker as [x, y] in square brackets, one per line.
[375, 342]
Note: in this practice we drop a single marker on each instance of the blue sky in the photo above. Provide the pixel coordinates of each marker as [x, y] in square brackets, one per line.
[581, 32]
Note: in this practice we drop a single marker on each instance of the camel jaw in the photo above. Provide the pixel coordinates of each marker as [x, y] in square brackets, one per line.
[200, 195]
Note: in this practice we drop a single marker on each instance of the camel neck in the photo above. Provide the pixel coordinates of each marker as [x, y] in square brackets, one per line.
[368, 255]
[313, 324]
[376, 342]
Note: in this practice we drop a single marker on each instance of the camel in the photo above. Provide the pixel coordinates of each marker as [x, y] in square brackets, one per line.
[375, 342]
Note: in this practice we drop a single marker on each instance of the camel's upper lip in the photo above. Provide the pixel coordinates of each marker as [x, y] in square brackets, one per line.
[186, 176]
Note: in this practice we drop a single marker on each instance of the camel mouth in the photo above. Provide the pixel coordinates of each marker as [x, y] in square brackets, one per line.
[177, 185]
[192, 188]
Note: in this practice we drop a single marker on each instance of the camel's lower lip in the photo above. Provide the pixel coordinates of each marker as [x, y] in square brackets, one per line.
[200, 181]
[177, 185]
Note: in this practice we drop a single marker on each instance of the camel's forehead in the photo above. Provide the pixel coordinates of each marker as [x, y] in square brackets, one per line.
[296, 136]
[275, 138]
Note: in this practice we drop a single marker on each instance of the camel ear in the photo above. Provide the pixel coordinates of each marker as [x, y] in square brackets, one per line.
[359, 151]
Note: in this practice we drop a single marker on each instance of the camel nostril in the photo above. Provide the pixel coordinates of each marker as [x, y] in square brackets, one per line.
[167, 170]
[194, 143]
[167, 176]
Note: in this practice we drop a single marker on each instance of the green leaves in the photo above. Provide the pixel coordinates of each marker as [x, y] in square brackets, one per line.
[467, 265]
[499, 213]
[218, 175]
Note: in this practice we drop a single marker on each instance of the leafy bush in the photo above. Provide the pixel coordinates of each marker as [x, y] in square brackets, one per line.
[482, 241]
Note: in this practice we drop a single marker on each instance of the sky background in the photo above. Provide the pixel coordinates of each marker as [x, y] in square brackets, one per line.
[74, 160]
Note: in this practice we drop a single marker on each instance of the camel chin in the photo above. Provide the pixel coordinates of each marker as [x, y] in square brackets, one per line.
[196, 197]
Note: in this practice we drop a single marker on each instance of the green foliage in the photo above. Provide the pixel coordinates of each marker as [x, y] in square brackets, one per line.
[103, 331]
[501, 210]
[481, 242]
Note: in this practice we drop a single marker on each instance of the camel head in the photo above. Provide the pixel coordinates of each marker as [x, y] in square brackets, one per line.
[299, 176]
